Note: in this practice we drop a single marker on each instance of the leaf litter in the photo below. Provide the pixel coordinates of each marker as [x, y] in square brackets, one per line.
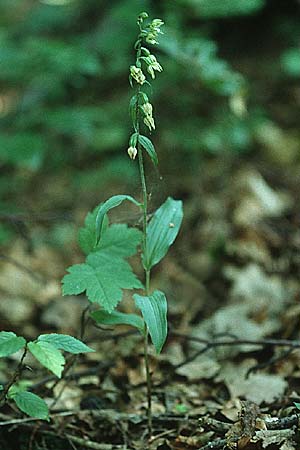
[238, 274]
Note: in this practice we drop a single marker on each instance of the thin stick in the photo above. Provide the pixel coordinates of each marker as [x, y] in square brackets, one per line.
[14, 378]
[87, 443]
[227, 342]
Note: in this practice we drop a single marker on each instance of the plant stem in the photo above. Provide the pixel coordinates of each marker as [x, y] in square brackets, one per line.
[149, 383]
[14, 378]
[147, 272]
[147, 290]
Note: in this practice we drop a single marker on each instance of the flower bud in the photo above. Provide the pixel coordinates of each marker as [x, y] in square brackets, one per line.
[147, 108]
[132, 152]
[150, 38]
[153, 65]
[137, 74]
[143, 15]
[156, 23]
[149, 121]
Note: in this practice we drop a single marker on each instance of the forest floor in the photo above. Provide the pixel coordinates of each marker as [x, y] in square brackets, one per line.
[228, 377]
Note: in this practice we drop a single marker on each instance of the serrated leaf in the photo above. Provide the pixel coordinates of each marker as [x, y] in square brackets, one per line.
[154, 311]
[65, 342]
[10, 343]
[118, 318]
[48, 356]
[31, 404]
[103, 277]
[149, 147]
[162, 231]
[117, 238]
[111, 203]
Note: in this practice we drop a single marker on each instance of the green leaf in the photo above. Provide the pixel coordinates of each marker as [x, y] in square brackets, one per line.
[48, 356]
[118, 318]
[297, 405]
[114, 201]
[19, 386]
[154, 311]
[118, 239]
[65, 342]
[149, 147]
[10, 343]
[87, 233]
[133, 140]
[103, 277]
[162, 231]
[132, 110]
[31, 404]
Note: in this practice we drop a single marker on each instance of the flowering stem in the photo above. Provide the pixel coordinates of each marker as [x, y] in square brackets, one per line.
[147, 272]
[139, 103]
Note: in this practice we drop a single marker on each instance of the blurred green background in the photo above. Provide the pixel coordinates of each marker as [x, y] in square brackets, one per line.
[230, 88]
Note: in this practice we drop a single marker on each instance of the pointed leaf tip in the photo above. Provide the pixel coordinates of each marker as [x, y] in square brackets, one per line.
[111, 203]
[162, 231]
[154, 312]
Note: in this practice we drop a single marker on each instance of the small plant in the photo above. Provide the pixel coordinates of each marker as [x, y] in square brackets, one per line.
[106, 272]
[47, 350]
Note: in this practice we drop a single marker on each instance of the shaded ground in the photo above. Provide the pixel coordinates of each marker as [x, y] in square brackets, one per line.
[231, 280]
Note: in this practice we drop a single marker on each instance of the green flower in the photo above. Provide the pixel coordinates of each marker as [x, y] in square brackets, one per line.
[153, 65]
[132, 152]
[148, 119]
[137, 74]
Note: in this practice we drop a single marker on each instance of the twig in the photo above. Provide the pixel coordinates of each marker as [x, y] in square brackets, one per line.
[74, 376]
[160, 435]
[84, 442]
[214, 425]
[14, 378]
[190, 358]
[219, 343]
[284, 423]
[25, 420]
[270, 361]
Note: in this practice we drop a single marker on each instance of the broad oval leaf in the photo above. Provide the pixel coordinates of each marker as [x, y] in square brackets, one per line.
[49, 356]
[154, 311]
[162, 231]
[65, 342]
[114, 201]
[31, 404]
[149, 147]
[10, 343]
[118, 318]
